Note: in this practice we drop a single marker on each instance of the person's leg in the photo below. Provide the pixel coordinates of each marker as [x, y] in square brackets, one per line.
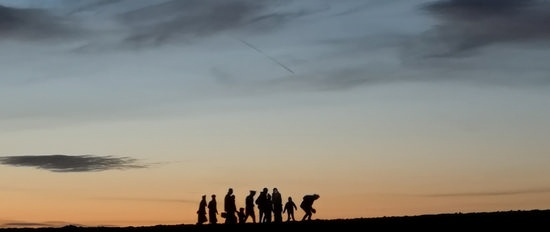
[262, 216]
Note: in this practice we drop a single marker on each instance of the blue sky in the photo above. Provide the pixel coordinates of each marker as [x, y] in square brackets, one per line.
[406, 99]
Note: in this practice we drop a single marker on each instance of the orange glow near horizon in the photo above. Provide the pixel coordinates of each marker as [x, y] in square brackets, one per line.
[129, 213]
[124, 113]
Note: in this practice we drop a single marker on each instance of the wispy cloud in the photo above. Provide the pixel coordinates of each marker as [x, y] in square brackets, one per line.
[176, 20]
[72, 163]
[466, 25]
[25, 224]
[489, 194]
[161, 200]
[138, 24]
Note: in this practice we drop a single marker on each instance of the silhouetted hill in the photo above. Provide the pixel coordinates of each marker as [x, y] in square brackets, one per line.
[492, 221]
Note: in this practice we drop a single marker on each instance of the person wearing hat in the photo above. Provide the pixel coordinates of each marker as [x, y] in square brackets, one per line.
[249, 207]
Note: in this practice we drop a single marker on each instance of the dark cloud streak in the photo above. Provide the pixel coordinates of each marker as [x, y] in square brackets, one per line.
[161, 200]
[268, 56]
[179, 20]
[71, 163]
[467, 25]
[491, 194]
[128, 24]
[32, 24]
[33, 224]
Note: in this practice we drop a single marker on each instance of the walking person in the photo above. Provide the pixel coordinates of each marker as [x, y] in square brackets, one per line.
[249, 206]
[261, 202]
[230, 207]
[213, 210]
[201, 213]
[289, 208]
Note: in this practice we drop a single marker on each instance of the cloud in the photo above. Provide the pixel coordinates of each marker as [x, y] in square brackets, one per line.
[24, 224]
[138, 24]
[468, 25]
[32, 24]
[72, 163]
[490, 194]
[160, 200]
[186, 20]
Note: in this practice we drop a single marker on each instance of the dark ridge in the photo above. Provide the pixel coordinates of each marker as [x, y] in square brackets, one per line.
[521, 220]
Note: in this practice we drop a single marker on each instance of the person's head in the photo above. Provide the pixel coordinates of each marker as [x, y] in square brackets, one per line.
[265, 190]
[213, 196]
[252, 192]
[275, 190]
[289, 198]
[316, 196]
[203, 196]
[230, 190]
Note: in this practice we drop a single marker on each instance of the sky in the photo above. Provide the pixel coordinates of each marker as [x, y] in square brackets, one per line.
[126, 112]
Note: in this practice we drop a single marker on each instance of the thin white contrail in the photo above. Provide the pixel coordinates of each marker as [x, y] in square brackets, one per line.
[268, 56]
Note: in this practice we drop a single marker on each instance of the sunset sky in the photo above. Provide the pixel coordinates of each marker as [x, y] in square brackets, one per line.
[126, 112]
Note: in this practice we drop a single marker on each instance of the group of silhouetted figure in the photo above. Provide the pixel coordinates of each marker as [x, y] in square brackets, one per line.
[270, 208]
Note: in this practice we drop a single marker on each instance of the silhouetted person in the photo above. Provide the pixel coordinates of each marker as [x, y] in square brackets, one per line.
[249, 206]
[261, 202]
[242, 215]
[277, 202]
[213, 210]
[307, 206]
[201, 213]
[268, 209]
[230, 207]
[289, 209]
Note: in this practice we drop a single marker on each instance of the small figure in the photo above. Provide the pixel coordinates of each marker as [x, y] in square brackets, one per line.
[242, 215]
[289, 209]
